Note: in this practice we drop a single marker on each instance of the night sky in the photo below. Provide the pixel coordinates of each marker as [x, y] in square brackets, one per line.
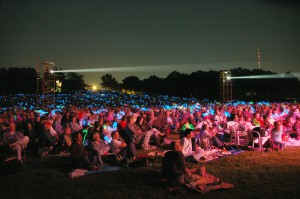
[182, 35]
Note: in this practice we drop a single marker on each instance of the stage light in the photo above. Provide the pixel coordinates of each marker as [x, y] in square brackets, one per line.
[151, 68]
[94, 88]
[271, 76]
[51, 71]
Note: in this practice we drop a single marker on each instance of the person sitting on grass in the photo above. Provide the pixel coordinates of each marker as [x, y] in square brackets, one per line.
[15, 141]
[296, 129]
[79, 155]
[98, 148]
[67, 139]
[47, 140]
[74, 125]
[207, 134]
[155, 134]
[137, 136]
[186, 142]
[276, 136]
[176, 172]
[117, 146]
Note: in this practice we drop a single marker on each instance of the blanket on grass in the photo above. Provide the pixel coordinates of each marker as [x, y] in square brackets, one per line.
[212, 183]
[202, 155]
[292, 143]
[207, 188]
[81, 172]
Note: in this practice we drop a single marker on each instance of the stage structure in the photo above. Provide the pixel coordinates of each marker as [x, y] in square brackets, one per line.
[225, 86]
[45, 85]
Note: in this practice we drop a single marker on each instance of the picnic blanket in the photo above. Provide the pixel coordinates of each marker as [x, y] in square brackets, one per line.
[201, 155]
[209, 155]
[292, 143]
[207, 188]
[82, 172]
[212, 183]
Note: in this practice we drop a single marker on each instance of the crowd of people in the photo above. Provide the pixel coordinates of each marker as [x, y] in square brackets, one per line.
[97, 127]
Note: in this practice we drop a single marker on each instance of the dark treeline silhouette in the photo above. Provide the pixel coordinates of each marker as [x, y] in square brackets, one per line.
[199, 84]
[72, 82]
[206, 85]
[17, 80]
[24, 80]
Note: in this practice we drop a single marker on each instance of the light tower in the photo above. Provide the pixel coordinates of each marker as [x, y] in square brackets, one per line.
[45, 85]
[225, 86]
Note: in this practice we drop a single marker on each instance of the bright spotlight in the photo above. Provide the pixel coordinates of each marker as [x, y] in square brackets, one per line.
[270, 76]
[94, 88]
[51, 71]
[228, 77]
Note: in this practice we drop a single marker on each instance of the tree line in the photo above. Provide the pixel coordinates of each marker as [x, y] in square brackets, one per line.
[24, 80]
[206, 85]
[199, 84]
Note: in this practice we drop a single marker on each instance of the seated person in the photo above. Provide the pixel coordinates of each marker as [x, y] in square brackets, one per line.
[15, 141]
[186, 125]
[155, 134]
[46, 135]
[74, 125]
[176, 172]
[137, 137]
[98, 148]
[276, 136]
[117, 146]
[205, 134]
[296, 129]
[79, 155]
[186, 142]
[67, 139]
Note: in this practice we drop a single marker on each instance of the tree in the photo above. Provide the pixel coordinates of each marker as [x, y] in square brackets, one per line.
[73, 82]
[152, 85]
[109, 82]
[132, 83]
[17, 80]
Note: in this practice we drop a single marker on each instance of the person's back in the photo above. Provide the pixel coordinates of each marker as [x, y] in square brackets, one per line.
[172, 165]
[176, 172]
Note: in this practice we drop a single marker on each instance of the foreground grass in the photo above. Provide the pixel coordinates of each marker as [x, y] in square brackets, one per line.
[254, 174]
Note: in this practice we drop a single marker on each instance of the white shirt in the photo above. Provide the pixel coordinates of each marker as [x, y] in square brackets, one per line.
[186, 146]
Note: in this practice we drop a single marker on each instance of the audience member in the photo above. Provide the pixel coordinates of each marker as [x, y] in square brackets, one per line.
[15, 141]
[79, 155]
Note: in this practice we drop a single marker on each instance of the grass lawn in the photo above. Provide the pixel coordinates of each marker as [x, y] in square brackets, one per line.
[254, 174]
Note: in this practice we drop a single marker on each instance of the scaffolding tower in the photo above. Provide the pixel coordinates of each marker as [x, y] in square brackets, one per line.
[225, 86]
[45, 85]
